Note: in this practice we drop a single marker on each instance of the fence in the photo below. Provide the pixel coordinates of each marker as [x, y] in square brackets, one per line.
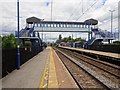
[9, 57]
[106, 48]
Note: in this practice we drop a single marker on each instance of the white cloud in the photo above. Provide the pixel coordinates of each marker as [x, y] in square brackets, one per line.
[62, 10]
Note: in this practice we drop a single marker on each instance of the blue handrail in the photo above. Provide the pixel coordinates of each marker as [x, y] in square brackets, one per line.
[22, 31]
[30, 31]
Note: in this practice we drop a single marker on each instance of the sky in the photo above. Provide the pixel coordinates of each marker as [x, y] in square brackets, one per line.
[62, 10]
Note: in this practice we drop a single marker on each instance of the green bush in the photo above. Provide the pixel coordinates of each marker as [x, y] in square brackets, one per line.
[9, 41]
[28, 43]
[0, 41]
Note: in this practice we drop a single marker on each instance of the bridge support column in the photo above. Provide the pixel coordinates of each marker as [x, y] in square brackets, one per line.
[38, 34]
[109, 41]
[91, 35]
[33, 34]
[88, 35]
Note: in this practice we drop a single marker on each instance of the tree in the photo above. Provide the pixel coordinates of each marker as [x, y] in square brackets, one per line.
[69, 39]
[0, 41]
[65, 39]
[59, 39]
[78, 39]
[9, 41]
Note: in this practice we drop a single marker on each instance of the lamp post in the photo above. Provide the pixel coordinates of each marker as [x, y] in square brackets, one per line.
[111, 19]
[18, 46]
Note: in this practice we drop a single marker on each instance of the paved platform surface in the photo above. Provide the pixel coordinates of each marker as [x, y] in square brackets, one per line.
[108, 54]
[45, 70]
[55, 74]
[29, 75]
[64, 78]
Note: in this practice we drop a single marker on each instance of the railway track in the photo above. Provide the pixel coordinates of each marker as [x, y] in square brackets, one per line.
[107, 67]
[88, 72]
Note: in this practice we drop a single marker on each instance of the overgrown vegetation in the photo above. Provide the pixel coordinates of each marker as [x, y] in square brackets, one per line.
[28, 43]
[69, 39]
[0, 41]
[9, 41]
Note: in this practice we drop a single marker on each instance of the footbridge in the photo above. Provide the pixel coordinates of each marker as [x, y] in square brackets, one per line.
[35, 25]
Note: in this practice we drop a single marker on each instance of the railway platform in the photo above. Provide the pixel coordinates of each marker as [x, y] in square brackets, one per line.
[45, 70]
[107, 54]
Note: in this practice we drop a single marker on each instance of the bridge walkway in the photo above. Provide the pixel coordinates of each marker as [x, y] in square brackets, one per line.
[42, 71]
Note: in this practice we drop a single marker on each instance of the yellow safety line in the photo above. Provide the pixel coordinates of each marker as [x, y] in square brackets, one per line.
[52, 83]
[42, 81]
[44, 73]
